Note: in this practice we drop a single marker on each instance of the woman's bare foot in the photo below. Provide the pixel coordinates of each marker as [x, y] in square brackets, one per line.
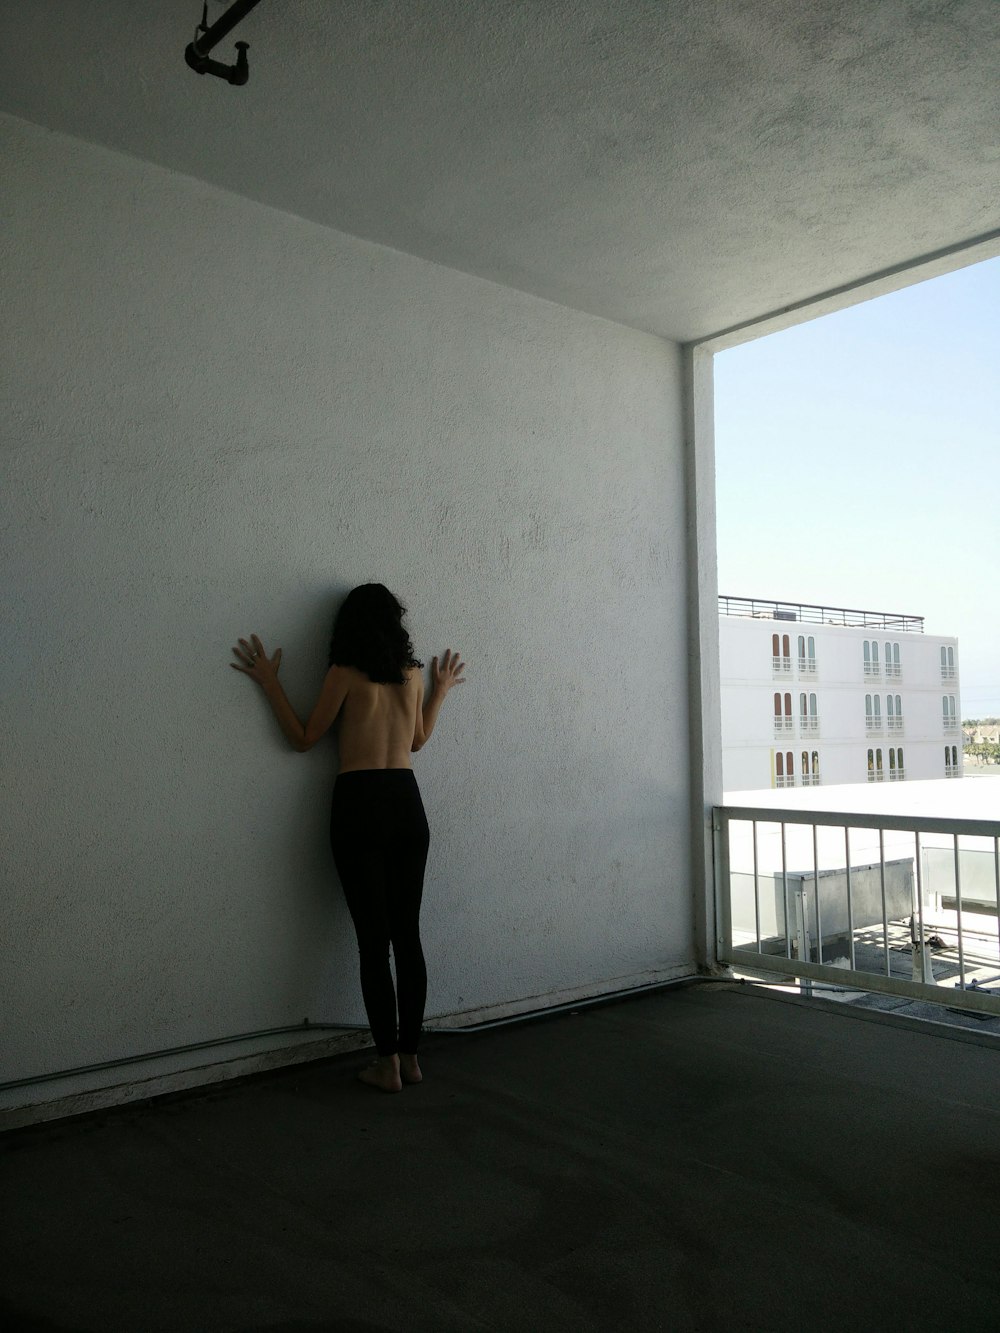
[383, 1074]
[409, 1069]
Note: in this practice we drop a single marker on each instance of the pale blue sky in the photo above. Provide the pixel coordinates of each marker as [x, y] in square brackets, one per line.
[858, 464]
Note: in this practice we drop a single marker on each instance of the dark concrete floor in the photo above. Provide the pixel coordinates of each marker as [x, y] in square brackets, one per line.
[705, 1158]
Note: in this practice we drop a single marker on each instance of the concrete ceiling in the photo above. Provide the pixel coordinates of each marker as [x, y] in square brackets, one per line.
[680, 166]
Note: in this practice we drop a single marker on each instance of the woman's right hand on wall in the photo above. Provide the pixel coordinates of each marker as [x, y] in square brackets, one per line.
[448, 673]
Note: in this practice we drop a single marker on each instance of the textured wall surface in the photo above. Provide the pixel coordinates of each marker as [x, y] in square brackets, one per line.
[219, 417]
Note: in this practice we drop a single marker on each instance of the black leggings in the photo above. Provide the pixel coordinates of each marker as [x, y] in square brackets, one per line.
[379, 836]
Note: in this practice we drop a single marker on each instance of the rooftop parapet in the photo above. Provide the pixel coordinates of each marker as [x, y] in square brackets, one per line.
[756, 608]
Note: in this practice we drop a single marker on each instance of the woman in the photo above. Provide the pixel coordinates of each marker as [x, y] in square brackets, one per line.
[378, 830]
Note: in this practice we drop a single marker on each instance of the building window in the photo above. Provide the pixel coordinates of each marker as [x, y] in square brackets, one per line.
[808, 714]
[899, 764]
[948, 717]
[878, 765]
[807, 655]
[781, 655]
[784, 769]
[947, 663]
[782, 716]
[871, 658]
[871, 765]
[892, 665]
[894, 712]
[873, 712]
[951, 765]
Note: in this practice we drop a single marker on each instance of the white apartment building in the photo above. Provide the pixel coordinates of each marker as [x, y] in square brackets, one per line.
[818, 694]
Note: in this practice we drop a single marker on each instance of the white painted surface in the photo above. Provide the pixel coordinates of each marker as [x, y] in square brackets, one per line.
[679, 167]
[749, 739]
[220, 418]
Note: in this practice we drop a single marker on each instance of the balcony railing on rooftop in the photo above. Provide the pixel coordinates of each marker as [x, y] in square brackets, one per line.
[805, 613]
[905, 905]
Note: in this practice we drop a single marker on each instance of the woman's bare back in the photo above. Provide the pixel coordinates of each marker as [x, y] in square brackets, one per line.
[377, 722]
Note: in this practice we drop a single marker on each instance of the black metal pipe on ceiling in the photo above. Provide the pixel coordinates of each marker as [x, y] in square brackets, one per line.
[223, 25]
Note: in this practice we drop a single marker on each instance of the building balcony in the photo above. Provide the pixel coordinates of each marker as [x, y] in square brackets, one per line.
[808, 725]
[893, 671]
[950, 726]
[781, 666]
[807, 666]
[949, 673]
[873, 724]
[784, 725]
[895, 724]
[873, 671]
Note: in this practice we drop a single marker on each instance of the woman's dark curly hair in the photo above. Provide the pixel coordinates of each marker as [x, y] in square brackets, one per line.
[368, 633]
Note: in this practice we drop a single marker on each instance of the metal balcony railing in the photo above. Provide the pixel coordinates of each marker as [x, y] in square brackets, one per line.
[905, 905]
[808, 724]
[784, 724]
[873, 671]
[807, 666]
[808, 613]
[781, 666]
[872, 722]
[894, 723]
[948, 673]
[893, 670]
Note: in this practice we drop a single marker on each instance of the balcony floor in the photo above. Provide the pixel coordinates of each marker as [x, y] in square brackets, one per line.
[709, 1157]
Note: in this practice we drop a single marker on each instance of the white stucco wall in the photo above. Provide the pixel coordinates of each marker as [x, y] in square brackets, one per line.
[220, 417]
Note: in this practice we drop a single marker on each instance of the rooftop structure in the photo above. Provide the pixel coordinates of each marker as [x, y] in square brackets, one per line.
[808, 613]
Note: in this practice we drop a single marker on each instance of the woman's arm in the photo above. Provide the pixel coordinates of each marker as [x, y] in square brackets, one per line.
[264, 671]
[443, 677]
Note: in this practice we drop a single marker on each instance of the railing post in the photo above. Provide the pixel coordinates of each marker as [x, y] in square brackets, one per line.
[784, 892]
[885, 913]
[756, 885]
[819, 910]
[958, 907]
[850, 899]
[723, 888]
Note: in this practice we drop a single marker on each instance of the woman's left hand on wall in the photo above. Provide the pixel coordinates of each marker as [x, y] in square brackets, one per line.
[255, 662]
